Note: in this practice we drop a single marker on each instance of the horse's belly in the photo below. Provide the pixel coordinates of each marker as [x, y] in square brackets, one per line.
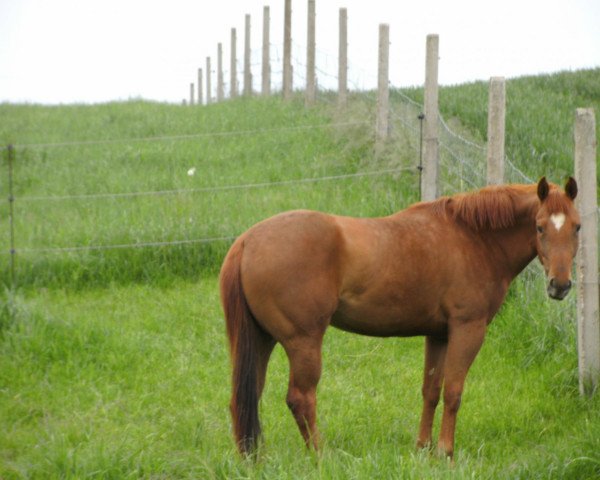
[389, 320]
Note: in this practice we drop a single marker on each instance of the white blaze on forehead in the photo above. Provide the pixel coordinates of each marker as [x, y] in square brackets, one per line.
[558, 219]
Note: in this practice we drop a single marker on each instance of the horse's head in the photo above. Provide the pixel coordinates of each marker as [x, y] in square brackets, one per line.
[558, 224]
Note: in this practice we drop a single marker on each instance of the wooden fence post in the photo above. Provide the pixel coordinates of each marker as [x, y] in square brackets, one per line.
[311, 91]
[208, 75]
[247, 63]
[343, 59]
[192, 89]
[495, 131]
[287, 51]
[588, 325]
[383, 92]
[430, 175]
[200, 93]
[233, 66]
[11, 213]
[220, 87]
[266, 53]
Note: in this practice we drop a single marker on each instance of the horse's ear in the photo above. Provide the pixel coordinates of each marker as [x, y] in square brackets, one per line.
[543, 189]
[571, 188]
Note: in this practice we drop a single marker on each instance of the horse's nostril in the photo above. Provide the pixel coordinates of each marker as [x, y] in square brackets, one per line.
[564, 287]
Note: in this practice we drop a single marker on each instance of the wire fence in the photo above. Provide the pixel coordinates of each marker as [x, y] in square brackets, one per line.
[462, 159]
[47, 200]
[216, 188]
[174, 138]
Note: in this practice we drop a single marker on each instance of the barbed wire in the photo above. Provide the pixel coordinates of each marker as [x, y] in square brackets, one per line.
[517, 171]
[190, 136]
[401, 94]
[217, 188]
[81, 248]
[458, 136]
[465, 141]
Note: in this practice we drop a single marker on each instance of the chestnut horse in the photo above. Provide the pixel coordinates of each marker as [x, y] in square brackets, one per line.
[439, 269]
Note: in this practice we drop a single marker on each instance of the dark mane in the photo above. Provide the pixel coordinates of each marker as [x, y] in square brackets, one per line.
[491, 208]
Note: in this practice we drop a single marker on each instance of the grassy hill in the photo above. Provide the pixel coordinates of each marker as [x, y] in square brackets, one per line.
[540, 112]
[117, 174]
[191, 174]
[113, 361]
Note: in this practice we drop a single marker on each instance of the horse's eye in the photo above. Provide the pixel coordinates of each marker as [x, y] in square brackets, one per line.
[539, 228]
[577, 227]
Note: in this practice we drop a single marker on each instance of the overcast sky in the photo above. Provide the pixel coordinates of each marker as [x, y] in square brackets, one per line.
[64, 51]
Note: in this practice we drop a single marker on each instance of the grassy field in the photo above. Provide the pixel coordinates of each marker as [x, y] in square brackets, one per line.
[291, 145]
[113, 363]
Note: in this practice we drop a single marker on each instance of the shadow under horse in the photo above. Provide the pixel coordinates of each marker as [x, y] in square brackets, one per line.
[439, 269]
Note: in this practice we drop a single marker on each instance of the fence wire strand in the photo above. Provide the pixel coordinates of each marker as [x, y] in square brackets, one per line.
[82, 248]
[217, 188]
[191, 136]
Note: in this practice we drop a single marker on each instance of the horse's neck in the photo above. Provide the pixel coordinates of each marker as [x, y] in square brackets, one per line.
[517, 243]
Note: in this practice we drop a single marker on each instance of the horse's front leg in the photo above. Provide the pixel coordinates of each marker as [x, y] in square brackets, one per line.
[464, 341]
[433, 377]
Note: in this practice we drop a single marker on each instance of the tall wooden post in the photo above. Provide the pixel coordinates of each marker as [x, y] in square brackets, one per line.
[495, 135]
[192, 91]
[311, 90]
[208, 75]
[266, 57]
[11, 214]
[220, 86]
[588, 325]
[233, 66]
[383, 92]
[247, 62]
[343, 59]
[431, 159]
[287, 51]
[200, 92]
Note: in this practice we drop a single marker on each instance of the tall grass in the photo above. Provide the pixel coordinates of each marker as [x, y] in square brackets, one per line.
[278, 142]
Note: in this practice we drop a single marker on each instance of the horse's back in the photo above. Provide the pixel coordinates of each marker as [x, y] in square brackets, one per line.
[290, 242]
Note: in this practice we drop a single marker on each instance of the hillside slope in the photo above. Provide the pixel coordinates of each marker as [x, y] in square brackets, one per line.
[139, 191]
[132, 191]
[540, 112]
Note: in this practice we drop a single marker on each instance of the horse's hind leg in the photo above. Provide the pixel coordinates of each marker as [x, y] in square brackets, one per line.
[433, 377]
[305, 370]
[266, 344]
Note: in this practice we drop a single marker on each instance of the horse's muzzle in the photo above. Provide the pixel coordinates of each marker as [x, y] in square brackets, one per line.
[558, 291]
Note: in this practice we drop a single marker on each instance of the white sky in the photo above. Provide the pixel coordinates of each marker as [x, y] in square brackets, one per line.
[64, 51]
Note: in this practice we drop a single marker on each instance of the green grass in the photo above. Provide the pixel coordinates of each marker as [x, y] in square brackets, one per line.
[113, 363]
[285, 150]
[134, 382]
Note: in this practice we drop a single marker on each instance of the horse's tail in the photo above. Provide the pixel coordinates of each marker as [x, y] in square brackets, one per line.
[243, 333]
